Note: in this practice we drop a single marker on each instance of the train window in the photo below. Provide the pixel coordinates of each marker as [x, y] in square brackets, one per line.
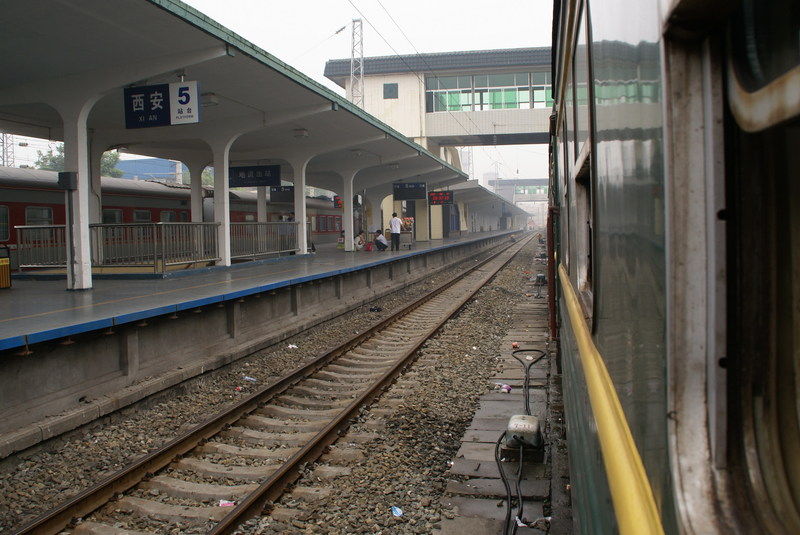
[569, 132]
[184, 216]
[322, 222]
[38, 215]
[583, 232]
[141, 216]
[5, 227]
[167, 216]
[112, 215]
[337, 222]
[764, 69]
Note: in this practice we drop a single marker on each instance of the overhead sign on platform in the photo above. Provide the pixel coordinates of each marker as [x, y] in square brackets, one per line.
[254, 175]
[440, 197]
[409, 191]
[281, 193]
[162, 105]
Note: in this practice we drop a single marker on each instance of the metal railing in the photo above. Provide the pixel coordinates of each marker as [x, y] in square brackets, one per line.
[42, 246]
[155, 246]
[255, 240]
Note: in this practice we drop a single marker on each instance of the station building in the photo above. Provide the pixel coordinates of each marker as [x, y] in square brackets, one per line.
[454, 99]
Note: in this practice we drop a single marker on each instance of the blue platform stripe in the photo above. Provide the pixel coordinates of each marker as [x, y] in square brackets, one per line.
[63, 332]
[144, 314]
[12, 342]
[196, 303]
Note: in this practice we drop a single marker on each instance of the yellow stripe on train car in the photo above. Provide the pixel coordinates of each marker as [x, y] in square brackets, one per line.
[631, 494]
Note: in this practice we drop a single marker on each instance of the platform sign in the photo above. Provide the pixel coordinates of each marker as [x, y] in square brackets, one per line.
[162, 105]
[281, 193]
[254, 175]
[409, 191]
[440, 197]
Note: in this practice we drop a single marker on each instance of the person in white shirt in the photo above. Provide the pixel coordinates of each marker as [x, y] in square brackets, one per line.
[396, 226]
[380, 241]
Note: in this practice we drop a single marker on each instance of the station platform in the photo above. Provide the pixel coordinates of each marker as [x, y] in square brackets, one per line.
[34, 311]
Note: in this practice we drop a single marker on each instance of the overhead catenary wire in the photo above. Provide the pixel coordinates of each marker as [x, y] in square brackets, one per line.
[420, 78]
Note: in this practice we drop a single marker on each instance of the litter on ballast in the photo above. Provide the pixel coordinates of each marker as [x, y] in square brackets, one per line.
[396, 511]
[248, 378]
[227, 503]
[292, 346]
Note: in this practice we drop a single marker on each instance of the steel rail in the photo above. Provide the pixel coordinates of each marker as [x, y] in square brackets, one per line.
[91, 499]
[275, 485]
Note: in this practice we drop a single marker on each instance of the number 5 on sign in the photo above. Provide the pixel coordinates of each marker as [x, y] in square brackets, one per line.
[184, 102]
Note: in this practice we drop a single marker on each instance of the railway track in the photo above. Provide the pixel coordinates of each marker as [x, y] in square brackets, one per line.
[229, 468]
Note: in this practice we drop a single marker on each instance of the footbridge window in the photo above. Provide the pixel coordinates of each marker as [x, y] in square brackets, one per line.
[479, 92]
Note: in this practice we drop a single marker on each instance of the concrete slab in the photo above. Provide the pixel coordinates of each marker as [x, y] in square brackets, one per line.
[536, 489]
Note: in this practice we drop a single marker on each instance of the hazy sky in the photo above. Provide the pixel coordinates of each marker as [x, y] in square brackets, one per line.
[303, 33]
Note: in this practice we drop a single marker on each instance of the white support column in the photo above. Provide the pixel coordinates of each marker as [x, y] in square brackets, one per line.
[437, 222]
[76, 158]
[222, 199]
[95, 184]
[196, 187]
[299, 163]
[262, 204]
[347, 203]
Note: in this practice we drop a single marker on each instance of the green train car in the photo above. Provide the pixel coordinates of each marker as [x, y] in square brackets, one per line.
[675, 231]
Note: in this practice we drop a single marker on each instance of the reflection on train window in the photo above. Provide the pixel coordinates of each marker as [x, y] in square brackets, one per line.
[38, 215]
[141, 216]
[5, 231]
[184, 216]
[168, 216]
[112, 215]
[581, 66]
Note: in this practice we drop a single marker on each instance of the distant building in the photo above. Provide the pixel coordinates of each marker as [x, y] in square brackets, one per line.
[153, 169]
[451, 99]
[529, 194]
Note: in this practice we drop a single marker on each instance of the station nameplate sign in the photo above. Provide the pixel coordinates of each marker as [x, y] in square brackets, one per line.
[254, 175]
[162, 105]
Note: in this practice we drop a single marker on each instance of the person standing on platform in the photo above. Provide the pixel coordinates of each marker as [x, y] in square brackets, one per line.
[380, 241]
[396, 226]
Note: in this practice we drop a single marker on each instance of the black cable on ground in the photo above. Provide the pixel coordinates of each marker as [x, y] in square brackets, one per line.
[505, 482]
[518, 486]
[527, 366]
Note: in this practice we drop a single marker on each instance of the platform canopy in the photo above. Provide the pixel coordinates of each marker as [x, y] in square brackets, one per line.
[60, 51]
[67, 66]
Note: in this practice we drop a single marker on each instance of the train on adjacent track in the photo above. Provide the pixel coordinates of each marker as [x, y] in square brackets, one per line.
[33, 197]
[675, 227]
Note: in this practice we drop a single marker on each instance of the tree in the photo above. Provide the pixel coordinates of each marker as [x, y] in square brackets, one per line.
[54, 161]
